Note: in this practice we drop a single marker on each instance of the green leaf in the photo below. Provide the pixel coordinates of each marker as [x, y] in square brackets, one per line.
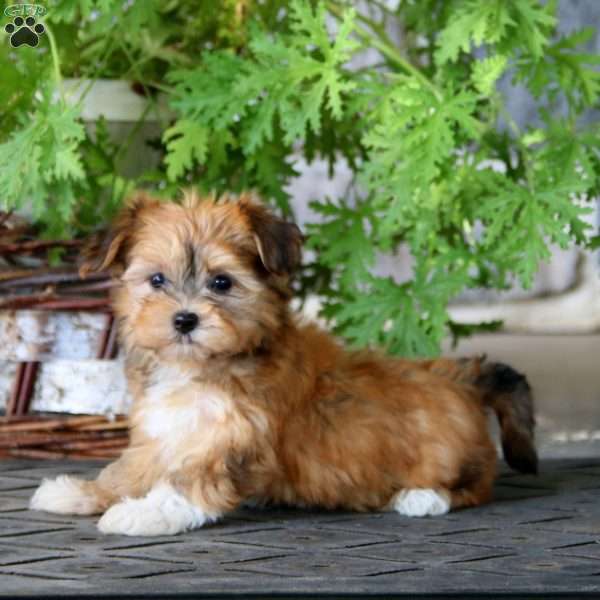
[40, 164]
[68, 163]
[486, 72]
[187, 142]
[564, 68]
[470, 23]
[342, 240]
[534, 24]
[410, 147]
[293, 78]
[461, 330]
[504, 23]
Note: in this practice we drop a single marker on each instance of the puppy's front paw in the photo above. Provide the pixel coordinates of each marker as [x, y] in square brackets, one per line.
[64, 495]
[134, 517]
[421, 503]
[162, 512]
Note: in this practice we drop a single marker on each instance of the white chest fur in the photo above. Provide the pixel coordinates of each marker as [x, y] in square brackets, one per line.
[178, 410]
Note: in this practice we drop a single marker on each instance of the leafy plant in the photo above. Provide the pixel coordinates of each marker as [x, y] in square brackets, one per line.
[439, 164]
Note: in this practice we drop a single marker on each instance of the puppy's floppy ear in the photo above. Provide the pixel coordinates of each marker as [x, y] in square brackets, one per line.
[279, 242]
[107, 250]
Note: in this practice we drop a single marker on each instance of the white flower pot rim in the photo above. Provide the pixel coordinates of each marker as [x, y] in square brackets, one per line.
[114, 100]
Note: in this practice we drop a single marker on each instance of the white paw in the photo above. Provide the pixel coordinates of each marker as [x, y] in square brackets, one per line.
[64, 495]
[421, 503]
[162, 512]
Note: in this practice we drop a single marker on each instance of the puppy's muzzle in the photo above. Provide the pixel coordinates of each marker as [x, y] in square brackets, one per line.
[184, 321]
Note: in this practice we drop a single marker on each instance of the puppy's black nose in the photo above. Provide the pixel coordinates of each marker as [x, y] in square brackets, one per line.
[185, 322]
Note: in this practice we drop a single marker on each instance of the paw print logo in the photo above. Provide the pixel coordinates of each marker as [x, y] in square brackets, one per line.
[24, 31]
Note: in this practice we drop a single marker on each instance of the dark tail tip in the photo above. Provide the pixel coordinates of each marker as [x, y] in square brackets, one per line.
[519, 453]
[509, 394]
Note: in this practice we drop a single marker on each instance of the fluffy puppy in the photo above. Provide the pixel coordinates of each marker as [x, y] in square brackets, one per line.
[237, 401]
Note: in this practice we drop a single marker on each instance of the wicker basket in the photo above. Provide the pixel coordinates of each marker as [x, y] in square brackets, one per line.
[62, 436]
[28, 280]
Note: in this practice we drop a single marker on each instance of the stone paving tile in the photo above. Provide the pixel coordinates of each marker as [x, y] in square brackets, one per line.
[540, 536]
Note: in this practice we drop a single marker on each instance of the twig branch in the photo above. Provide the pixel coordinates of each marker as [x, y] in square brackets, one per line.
[48, 277]
[34, 245]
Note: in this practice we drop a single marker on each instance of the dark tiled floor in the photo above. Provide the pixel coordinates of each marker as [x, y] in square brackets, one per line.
[540, 536]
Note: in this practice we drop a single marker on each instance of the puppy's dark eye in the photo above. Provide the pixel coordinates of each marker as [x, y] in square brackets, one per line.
[157, 280]
[220, 284]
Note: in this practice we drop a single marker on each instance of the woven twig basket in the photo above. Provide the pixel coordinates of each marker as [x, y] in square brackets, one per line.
[28, 280]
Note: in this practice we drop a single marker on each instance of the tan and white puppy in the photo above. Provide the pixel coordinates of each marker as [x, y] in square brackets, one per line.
[236, 400]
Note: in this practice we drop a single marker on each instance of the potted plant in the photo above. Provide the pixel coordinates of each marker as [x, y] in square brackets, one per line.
[404, 92]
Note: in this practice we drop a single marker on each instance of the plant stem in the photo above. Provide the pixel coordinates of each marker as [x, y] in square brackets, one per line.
[55, 62]
[382, 7]
[524, 151]
[132, 132]
[382, 43]
[167, 89]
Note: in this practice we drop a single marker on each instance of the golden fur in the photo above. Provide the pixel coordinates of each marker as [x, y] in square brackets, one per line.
[255, 405]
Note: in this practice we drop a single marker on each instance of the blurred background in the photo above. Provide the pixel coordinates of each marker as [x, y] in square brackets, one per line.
[411, 230]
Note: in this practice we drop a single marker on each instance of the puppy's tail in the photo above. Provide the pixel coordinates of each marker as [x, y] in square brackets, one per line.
[507, 392]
